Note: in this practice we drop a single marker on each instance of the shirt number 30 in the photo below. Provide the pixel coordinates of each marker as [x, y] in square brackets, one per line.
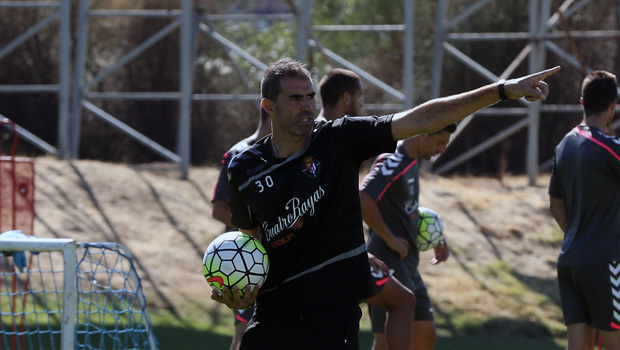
[268, 182]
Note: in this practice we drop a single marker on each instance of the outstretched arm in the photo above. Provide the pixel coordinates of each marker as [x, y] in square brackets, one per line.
[438, 113]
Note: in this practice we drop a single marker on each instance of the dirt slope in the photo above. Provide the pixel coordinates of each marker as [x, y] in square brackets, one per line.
[504, 241]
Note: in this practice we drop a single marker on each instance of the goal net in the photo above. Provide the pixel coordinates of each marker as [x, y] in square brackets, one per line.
[71, 296]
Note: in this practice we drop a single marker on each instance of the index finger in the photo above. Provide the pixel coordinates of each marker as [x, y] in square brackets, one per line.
[545, 73]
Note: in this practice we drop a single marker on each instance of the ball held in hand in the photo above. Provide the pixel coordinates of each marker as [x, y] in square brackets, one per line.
[430, 229]
[235, 259]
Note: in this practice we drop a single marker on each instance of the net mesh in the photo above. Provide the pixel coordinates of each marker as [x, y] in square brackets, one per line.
[110, 304]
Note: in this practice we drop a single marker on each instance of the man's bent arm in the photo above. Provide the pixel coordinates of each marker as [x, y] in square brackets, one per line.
[558, 210]
[372, 217]
[222, 213]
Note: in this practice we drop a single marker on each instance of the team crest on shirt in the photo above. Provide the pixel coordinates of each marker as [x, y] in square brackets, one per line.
[312, 167]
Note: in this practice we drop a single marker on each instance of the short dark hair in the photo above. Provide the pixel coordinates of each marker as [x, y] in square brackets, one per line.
[335, 83]
[450, 128]
[599, 90]
[286, 67]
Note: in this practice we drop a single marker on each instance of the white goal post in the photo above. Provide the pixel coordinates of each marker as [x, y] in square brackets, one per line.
[98, 305]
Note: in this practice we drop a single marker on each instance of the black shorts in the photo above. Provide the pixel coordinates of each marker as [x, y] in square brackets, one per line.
[243, 316]
[591, 294]
[423, 307]
[378, 280]
[334, 326]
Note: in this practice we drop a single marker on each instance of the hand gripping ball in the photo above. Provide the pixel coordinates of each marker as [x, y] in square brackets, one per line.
[430, 229]
[235, 259]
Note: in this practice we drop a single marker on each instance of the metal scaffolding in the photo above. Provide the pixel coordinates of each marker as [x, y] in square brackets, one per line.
[190, 21]
[545, 16]
[59, 11]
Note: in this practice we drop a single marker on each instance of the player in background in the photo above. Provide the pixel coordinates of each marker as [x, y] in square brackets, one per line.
[221, 193]
[297, 190]
[221, 207]
[342, 93]
[584, 194]
[389, 195]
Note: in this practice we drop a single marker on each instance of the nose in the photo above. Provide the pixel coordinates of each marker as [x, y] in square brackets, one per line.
[309, 105]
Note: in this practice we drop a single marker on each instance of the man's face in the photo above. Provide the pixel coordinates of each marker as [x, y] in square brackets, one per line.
[434, 144]
[356, 103]
[293, 110]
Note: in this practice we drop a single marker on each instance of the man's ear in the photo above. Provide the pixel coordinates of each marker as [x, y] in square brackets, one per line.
[346, 98]
[267, 105]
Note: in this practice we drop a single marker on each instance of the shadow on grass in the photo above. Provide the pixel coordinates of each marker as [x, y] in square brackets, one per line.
[546, 286]
[174, 338]
[488, 342]
[183, 338]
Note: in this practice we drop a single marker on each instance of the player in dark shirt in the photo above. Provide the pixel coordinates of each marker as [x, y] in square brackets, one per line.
[390, 200]
[297, 191]
[585, 201]
[342, 94]
[221, 193]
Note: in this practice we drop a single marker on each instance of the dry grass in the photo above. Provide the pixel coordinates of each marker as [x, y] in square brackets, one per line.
[501, 274]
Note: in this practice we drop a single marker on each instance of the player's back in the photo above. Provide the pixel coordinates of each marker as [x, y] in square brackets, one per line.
[587, 167]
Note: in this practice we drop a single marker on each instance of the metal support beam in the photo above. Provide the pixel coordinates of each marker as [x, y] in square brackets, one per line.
[188, 21]
[470, 153]
[134, 134]
[539, 12]
[231, 46]
[408, 57]
[75, 126]
[188, 32]
[64, 79]
[436, 70]
[302, 24]
[362, 73]
[61, 13]
[540, 40]
[30, 137]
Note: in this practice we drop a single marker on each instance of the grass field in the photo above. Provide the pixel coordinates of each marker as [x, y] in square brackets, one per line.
[186, 332]
[186, 338]
[491, 335]
[176, 337]
[498, 290]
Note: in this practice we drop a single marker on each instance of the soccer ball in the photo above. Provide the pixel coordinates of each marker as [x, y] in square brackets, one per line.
[430, 229]
[235, 259]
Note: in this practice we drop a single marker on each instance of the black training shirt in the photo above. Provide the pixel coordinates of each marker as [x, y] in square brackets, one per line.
[308, 210]
[586, 175]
